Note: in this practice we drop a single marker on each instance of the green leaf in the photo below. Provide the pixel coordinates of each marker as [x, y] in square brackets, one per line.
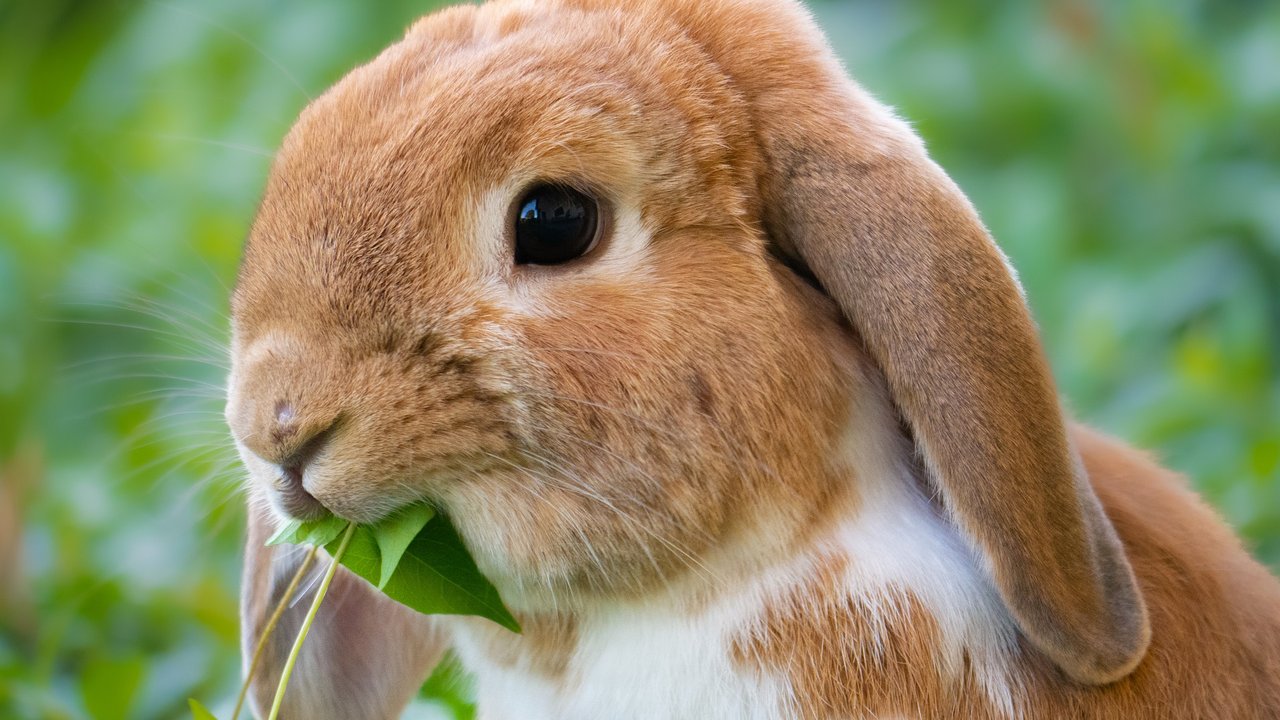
[438, 576]
[394, 534]
[362, 556]
[311, 532]
[416, 557]
[451, 686]
[198, 711]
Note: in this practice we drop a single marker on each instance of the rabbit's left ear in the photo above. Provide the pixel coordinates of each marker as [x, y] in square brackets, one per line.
[849, 193]
[893, 241]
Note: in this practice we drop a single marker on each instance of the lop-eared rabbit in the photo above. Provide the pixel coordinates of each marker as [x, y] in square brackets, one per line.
[725, 386]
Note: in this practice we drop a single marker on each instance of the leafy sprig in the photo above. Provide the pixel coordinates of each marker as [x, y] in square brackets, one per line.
[413, 556]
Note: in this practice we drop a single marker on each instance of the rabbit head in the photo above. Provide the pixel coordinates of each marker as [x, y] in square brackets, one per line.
[762, 246]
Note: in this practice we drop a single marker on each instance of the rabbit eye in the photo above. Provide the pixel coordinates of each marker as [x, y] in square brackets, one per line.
[554, 224]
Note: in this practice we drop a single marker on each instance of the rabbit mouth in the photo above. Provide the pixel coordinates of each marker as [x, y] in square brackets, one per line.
[365, 490]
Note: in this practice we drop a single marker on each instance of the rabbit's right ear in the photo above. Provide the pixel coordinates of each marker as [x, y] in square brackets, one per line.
[849, 193]
[366, 655]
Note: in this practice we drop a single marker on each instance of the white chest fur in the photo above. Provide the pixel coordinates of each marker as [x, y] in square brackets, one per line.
[635, 664]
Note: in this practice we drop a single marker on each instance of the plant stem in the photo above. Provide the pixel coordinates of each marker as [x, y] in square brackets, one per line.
[306, 623]
[270, 627]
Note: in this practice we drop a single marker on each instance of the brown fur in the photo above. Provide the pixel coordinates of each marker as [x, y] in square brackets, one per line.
[1215, 650]
[626, 425]
[844, 663]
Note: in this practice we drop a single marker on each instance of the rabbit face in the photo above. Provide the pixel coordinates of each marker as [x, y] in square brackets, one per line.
[596, 426]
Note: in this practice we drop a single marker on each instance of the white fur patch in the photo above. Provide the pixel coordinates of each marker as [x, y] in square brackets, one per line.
[898, 542]
[638, 663]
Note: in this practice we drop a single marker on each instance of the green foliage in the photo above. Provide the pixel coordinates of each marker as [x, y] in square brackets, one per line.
[310, 532]
[1124, 153]
[450, 686]
[393, 535]
[200, 712]
[109, 687]
[414, 556]
[1125, 156]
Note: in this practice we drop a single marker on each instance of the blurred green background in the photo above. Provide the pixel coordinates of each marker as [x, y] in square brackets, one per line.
[1125, 153]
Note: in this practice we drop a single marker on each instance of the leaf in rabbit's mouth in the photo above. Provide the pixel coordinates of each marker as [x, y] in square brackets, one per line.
[311, 532]
[415, 557]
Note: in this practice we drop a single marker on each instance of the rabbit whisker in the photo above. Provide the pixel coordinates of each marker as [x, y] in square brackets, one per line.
[574, 483]
[581, 491]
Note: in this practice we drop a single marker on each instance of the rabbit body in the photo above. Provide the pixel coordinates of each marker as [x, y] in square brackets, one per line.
[782, 443]
[888, 616]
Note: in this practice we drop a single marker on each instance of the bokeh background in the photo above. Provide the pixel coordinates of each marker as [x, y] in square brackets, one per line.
[1126, 153]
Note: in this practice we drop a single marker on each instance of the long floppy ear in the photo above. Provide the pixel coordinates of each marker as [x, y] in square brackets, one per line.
[366, 655]
[848, 190]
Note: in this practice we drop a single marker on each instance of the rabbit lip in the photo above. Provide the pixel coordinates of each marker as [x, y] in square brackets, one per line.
[299, 504]
[291, 493]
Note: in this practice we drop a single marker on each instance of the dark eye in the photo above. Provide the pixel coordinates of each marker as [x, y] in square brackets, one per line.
[554, 224]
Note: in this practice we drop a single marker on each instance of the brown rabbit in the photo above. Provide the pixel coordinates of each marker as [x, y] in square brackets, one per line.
[723, 382]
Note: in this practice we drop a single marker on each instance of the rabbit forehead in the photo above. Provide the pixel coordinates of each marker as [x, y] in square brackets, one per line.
[387, 182]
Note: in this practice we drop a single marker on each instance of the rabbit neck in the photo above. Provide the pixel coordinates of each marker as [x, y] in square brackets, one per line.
[880, 607]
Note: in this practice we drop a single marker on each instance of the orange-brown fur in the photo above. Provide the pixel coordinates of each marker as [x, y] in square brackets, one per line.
[1215, 650]
[664, 424]
[845, 664]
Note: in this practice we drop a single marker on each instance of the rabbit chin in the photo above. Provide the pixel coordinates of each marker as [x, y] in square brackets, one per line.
[544, 555]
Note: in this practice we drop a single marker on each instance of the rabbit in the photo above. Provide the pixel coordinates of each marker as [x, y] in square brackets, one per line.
[724, 384]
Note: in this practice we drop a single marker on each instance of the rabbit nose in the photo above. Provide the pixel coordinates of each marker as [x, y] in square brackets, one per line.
[285, 436]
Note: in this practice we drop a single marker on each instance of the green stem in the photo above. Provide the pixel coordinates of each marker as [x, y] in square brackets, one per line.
[270, 627]
[306, 624]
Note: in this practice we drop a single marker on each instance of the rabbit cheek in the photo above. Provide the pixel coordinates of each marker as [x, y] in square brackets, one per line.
[647, 456]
